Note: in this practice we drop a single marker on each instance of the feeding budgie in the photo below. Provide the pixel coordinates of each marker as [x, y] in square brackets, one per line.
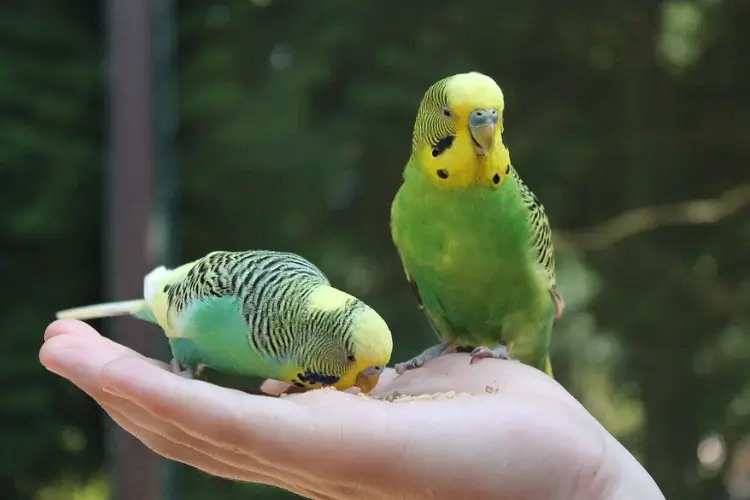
[262, 313]
[474, 241]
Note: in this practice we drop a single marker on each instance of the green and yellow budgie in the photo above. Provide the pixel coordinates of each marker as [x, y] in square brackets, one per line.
[262, 313]
[474, 241]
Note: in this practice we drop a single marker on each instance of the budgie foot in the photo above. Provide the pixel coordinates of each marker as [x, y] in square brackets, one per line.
[430, 353]
[177, 369]
[482, 352]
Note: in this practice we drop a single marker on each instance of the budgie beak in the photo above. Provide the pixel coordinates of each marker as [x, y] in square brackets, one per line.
[368, 378]
[482, 124]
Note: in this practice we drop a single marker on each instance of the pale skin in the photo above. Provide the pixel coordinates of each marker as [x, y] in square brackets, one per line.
[518, 435]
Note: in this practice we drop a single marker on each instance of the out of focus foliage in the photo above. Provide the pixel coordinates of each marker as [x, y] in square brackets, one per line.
[295, 122]
[50, 164]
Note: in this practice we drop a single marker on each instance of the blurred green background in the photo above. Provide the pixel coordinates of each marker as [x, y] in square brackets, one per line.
[629, 119]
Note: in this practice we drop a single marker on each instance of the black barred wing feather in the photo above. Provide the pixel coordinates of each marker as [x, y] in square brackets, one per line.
[541, 238]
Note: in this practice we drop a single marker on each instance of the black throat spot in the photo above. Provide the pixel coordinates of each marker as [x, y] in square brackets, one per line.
[312, 377]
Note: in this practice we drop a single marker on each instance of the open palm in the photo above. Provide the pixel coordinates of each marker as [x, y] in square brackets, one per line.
[516, 434]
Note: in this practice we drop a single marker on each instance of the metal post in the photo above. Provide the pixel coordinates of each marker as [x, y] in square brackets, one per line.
[131, 249]
[166, 122]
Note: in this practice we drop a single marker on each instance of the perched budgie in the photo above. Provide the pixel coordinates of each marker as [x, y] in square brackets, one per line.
[474, 241]
[262, 313]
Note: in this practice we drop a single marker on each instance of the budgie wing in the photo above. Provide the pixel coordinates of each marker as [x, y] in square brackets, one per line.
[541, 240]
[204, 280]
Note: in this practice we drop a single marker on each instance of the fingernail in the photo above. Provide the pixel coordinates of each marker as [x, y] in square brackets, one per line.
[53, 330]
[53, 369]
[274, 387]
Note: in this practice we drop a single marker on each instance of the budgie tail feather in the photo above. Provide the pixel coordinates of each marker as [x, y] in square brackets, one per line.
[139, 308]
[123, 308]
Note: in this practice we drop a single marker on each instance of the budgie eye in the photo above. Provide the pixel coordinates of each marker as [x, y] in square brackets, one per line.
[447, 112]
[350, 358]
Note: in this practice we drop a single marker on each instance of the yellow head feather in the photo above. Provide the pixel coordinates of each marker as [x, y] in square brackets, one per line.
[327, 298]
[373, 346]
[443, 145]
[369, 335]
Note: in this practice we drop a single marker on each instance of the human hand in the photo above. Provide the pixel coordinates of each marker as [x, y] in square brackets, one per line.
[518, 435]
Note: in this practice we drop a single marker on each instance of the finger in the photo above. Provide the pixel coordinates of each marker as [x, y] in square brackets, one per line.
[73, 348]
[171, 442]
[274, 387]
[143, 425]
[64, 351]
[77, 352]
[146, 421]
[69, 326]
[312, 437]
[175, 451]
[79, 356]
[226, 417]
[278, 433]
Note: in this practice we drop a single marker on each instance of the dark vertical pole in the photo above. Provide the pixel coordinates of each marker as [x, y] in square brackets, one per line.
[166, 122]
[136, 472]
[165, 119]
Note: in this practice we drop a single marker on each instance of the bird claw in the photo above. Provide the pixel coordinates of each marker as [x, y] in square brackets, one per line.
[483, 352]
[413, 363]
[428, 354]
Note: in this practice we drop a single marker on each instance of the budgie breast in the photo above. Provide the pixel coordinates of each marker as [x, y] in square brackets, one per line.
[470, 252]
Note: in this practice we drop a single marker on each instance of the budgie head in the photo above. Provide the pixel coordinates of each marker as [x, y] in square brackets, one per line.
[352, 343]
[457, 139]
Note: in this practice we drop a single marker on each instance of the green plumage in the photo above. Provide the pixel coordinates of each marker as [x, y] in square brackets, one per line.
[479, 257]
[217, 336]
